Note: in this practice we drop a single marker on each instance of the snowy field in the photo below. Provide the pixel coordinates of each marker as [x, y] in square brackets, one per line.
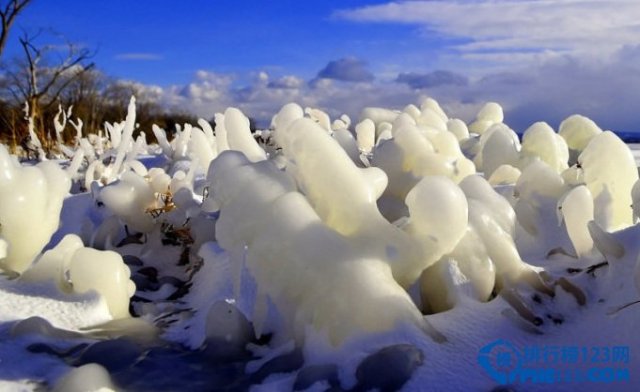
[405, 250]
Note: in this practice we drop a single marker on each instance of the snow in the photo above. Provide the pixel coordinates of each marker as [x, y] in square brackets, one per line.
[314, 253]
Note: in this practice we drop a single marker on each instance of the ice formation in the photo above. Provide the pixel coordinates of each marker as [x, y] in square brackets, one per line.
[28, 195]
[540, 141]
[89, 377]
[490, 114]
[578, 131]
[282, 214]
[75, 268]
[258, 249]
[576, 210]
[106, 273]
[610, 172]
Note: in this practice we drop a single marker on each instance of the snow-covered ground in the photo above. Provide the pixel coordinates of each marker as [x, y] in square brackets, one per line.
[291, 261]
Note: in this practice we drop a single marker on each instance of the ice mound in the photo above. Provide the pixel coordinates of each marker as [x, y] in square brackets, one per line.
[75, 268]
[30, 202]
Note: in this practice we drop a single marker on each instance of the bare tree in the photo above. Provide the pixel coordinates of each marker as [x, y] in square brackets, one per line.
[86, 95]
[44, 74]
[8, 15]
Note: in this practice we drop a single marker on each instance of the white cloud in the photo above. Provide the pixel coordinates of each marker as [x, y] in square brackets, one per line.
[145, 92]
[287, 82]
[139, 57]
[347, 69]
[437, 78]
[524, 28]
[209, 93]
[548, 91]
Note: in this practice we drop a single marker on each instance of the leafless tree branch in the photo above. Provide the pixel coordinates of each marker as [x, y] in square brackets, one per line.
[8, 15]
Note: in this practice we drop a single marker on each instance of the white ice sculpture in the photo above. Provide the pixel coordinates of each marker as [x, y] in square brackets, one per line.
[221, 133]
[490, 114]
[209, 133]
[443, 285]
[315, 154]
[505, 175]
[412, 154]
[438, 215]
[159, 180]
[389, 157]
[349, 144]
[344, 196]
[320, 117]
[60, 125]
[458, 128]
[129, 199]
[606, 243]
[121, 137]
[433, 105]
[338, 282]
[287, 114]
[383, 132]
[575, 209]
[492, 218]
[538, 191]
[200, 149]
[610, 172]
[138, 148]
[4, 247]
[433, 118]
[539, 140]
[413, 111]
[161, 137]
[75, 268]
[76, 162]
[486, 255]
[420, 156]
[54, 263]
[114, 133]
[379, 115]
[499, 146]
[239, 135]
[77, 125]
[90, 377]
[439, 220]
[106, 273]
[477, 188]
[180, 143]
[366, 135]
[126, 140]
[30, 203]
[578, 131]
[89, 150]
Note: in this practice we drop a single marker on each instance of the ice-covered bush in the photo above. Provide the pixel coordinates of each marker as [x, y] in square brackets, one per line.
[30, 203]
[76, 268]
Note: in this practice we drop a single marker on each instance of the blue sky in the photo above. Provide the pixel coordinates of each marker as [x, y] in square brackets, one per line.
[541, 59]
[165, 42]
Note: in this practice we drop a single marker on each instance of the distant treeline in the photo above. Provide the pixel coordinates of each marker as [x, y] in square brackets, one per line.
[95, 99]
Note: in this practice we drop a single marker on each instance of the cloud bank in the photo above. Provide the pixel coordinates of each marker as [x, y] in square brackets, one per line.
[514, 30]
[551, 91]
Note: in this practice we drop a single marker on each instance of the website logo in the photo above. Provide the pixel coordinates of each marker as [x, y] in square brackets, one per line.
[506, 364]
